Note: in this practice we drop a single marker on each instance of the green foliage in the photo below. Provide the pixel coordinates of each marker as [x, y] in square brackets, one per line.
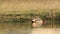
[23, 16]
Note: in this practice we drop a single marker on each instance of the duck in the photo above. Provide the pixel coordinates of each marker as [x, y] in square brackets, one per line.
[37, 22]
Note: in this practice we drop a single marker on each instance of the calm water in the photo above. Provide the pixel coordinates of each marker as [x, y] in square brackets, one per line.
[17, 28]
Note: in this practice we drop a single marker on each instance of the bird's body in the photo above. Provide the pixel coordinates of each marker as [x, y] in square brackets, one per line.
[37, 22]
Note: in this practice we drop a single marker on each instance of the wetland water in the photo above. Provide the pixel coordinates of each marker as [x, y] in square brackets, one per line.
[18, 28]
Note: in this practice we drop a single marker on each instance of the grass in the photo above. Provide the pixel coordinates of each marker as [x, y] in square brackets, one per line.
[9, 15]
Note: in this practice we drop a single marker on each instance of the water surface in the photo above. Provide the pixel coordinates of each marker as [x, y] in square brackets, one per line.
[23, 28]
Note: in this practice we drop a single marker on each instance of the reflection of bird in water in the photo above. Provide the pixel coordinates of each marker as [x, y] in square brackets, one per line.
[37, 22]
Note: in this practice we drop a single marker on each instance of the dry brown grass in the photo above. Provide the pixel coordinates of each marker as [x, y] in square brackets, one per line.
[28, 4]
